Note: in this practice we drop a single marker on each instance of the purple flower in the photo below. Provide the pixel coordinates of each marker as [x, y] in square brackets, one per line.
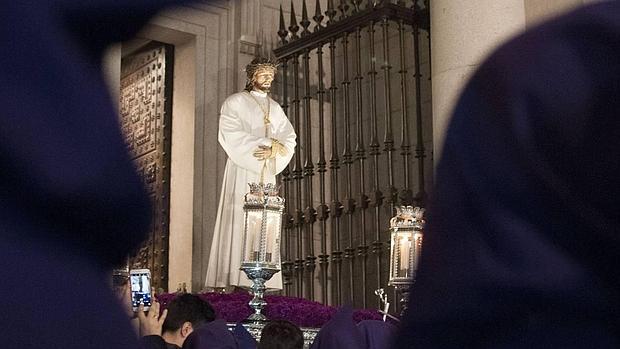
[233, 307]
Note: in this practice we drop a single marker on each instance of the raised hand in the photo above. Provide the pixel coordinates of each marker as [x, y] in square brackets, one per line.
[151, 323]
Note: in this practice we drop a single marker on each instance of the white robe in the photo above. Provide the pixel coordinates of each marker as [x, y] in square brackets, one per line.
[241, 131]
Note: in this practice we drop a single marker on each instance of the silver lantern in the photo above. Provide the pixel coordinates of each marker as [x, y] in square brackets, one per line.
[406, 244]
[263, 210]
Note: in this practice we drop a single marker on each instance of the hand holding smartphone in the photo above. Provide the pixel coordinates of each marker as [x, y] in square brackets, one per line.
[140, 280]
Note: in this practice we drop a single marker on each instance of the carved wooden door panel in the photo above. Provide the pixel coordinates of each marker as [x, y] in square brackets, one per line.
[146, 120]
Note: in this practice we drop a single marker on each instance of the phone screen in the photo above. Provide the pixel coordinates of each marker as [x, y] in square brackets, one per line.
[140, 288]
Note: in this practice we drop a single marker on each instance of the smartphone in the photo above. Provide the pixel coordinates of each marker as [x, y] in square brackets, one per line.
[140, 288]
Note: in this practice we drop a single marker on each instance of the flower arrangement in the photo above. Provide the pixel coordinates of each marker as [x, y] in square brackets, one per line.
[233, 307]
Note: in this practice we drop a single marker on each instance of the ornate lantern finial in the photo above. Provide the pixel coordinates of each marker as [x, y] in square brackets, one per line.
[406, 244]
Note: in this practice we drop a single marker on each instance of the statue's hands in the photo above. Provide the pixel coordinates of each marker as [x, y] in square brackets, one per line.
[277, 148]
[262, 152]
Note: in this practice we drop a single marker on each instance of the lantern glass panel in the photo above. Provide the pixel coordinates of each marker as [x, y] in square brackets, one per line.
[402, 248]
[263, 224]
[416, 252]
[406, 244]
[253, 223]
[272, 242]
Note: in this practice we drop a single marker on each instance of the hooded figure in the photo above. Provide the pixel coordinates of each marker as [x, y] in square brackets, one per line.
[243, 337]
[523, 241]
[212, 335]
[71, 204]
[340, 332]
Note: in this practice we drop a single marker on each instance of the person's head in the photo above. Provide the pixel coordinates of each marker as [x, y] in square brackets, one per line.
[185, 313]
[260, 74]
[214, 335]
[340, 332]
[281, 334]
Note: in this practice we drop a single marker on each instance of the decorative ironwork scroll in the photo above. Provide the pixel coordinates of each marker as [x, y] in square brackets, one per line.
[146, 119]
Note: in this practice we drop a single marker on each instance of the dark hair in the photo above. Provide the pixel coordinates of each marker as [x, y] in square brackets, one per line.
[187, 307]
[281, 334]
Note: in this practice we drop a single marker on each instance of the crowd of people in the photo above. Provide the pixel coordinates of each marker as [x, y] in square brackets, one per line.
[190, 322]
[521, 247]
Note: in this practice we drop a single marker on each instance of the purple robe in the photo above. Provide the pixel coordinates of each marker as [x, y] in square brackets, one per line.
[71, 204]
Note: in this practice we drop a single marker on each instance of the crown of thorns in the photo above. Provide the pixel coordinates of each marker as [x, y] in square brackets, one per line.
[260, 64]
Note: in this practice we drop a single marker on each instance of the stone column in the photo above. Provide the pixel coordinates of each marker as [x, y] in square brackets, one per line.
[537, 11]
[463, 33]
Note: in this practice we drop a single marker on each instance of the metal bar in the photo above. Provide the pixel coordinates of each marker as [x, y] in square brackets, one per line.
[334, 165]
[318, 17]
[323, 211]
[406, 196]
[282, 31]
[305, 22]
[287, 219]
[331, 12]
[347, 159]
[344, 8]
[297, 177]
[420, 151]
[284, 104]
[377, 198]
[310, 213]
[388, 140]
[360, 156]
[293, 27]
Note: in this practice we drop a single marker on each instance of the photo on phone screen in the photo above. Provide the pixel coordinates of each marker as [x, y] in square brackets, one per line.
[140, 288]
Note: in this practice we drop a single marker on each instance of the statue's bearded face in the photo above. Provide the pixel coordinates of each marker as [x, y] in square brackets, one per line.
[262, 79]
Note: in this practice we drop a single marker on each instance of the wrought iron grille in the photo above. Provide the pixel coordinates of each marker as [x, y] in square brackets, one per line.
[350, 167]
